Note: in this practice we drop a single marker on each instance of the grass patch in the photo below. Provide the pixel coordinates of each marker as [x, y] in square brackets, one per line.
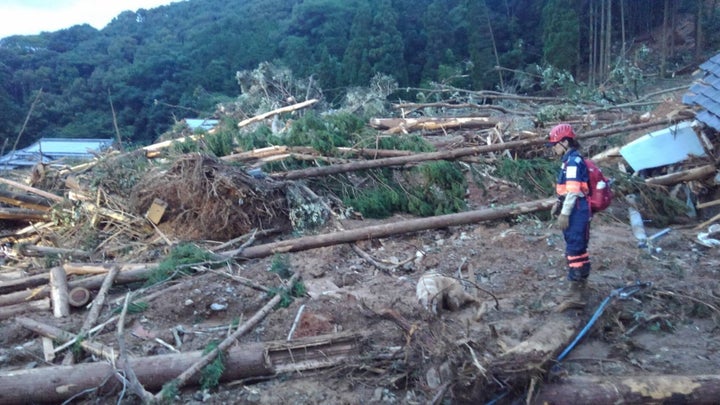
[178, 262]
[210, 374]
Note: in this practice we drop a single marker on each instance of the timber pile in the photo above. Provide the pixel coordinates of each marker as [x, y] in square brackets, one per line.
[200, 197]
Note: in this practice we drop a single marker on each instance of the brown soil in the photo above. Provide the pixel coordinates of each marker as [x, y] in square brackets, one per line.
[668, 328]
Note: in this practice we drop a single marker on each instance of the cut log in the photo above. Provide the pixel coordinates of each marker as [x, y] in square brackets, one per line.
[24, 201]
[9, 311]
[91, 283]
[655, 389]
[23, 214]
[407, 107]
[36, 251]
[445, 155]
[256, 153]
[708, 204]
[78, 297]
[697, 173]
[377, 231]
[52, 332]
[59, 292]
[33, 190]
[406, 125]
[247, 326]
[55, 384]
[281, 110]
[102, 268]
[23, 283]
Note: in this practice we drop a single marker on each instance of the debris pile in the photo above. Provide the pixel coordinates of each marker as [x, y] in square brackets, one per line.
[208, 199]
[168, 245]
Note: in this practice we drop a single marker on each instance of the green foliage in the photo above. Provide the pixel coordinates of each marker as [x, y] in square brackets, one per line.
[415, 143]
[432, 188]
[169, 391]
[325, 133]
[178, 262]
[380, 201]
[182, 59]
[220, 143]
[561, 34]
[261, 137]
[280, 265]
[76, 347]
[305, 213]
[535, 176]
[53, 260]
[210, 374]
[554, 113]
[187, 145]
[553, 78]
[286, 296]
[134, 308]
[657, 205]
[442, 190]
[118, 175]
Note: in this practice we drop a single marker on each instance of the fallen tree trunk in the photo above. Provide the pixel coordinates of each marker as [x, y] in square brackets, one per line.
[33, 190]
[599, 390]
[697, 173]
[405, 125]
[195, 368]
[10, 311]
[407, 107]
[54, 333]
[377, 231]
[70, 269]
[446, 155]
[23, 214]
[281, 110]
[24, 201]
[37, 251]
[91, 283]
[55, 384]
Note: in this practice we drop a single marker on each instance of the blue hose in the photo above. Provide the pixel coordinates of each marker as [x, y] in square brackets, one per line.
[587, 327]
[622, 293]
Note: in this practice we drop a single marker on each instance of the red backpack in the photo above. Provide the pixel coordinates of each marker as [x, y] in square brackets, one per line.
[600, 195]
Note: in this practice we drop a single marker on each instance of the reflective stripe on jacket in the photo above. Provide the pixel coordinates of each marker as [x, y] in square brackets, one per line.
[573, 176]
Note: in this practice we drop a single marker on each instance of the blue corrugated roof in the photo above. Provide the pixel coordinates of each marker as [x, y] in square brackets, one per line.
[708, 119]
[706, 93]
[199, 123]
[49, 149]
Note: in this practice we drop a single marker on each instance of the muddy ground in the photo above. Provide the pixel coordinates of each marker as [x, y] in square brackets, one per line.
[668, 328]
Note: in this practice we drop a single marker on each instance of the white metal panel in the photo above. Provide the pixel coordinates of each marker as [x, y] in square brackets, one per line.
[664, 147]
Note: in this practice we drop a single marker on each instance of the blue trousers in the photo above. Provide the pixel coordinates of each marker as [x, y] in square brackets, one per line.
[577, 236]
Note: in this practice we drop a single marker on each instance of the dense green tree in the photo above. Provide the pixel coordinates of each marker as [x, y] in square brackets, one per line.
[357, 69]
[176, 61]
[561, 34]
[480, 45]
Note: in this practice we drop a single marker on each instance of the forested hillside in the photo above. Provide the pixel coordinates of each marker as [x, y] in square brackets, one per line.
[153, 67]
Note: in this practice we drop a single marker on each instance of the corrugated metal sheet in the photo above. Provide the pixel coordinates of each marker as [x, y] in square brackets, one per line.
[706, 93]
[708, 119]
[50, 149]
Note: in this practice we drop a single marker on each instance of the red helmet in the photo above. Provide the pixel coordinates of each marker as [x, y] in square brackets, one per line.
[560, 132]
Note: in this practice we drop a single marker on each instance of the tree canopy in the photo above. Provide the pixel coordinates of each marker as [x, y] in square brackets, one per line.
[171, 62]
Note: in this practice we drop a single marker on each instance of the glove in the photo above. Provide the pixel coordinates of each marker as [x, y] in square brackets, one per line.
[556, 208]
[563, 221]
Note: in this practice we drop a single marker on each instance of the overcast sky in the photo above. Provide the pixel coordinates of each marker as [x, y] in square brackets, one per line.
[27, 17]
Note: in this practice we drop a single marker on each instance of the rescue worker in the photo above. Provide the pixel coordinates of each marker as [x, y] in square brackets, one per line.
[572, 210]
